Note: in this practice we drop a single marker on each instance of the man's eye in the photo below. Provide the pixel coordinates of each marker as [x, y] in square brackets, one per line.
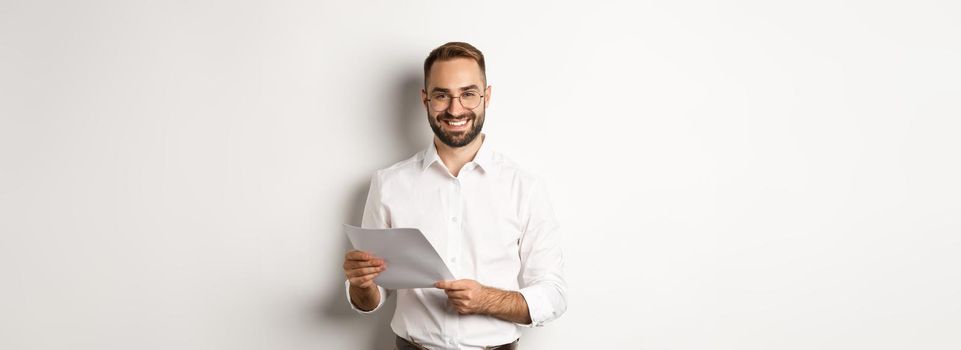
[470, 94]
[439, 97]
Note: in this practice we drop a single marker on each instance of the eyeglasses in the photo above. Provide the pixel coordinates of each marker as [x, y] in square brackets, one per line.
[468, 99]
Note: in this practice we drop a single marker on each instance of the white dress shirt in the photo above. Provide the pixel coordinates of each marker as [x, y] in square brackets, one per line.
[492, 223]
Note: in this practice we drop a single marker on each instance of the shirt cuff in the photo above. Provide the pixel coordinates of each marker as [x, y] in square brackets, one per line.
[381, 290]
[538, 306]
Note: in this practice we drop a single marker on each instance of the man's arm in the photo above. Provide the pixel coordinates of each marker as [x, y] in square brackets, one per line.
[361, 268]
[365, 299]
[470, 297]
[507, 305]
[542, 279]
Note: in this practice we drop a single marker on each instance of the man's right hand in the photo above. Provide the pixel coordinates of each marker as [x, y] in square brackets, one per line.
[361, 268]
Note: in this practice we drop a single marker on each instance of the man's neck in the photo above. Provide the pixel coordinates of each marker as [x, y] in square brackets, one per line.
[455, 158]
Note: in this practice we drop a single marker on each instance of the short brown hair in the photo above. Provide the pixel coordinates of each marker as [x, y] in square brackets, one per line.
[451, 50]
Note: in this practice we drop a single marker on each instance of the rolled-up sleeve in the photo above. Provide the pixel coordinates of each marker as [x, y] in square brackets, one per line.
[375, 216]
[542, 262]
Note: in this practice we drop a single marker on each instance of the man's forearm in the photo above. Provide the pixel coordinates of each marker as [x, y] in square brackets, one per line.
[507, 305]
[365, 299]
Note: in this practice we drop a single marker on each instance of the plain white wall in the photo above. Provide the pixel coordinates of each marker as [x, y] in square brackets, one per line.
[729, 175]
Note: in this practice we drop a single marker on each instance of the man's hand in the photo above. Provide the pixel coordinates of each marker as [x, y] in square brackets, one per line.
[469, 297]
[466, 296]
[361, 268]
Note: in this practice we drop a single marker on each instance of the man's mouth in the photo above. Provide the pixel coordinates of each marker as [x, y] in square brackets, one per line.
[456, 124]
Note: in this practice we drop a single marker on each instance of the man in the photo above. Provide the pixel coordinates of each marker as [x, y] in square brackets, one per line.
[490, 221]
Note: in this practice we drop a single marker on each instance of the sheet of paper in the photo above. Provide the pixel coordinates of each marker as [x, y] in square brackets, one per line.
[412, 262]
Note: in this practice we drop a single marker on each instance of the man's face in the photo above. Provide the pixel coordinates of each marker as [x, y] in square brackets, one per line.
[456, 126]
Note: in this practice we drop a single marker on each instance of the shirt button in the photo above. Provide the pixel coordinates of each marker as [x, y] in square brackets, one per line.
[454, 219]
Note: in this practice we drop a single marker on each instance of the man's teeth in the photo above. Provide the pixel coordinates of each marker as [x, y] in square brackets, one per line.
[456, 123]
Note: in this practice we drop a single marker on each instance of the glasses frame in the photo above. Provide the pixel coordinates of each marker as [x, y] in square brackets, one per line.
[459, 100]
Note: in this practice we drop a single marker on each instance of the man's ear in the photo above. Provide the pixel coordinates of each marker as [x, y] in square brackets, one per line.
[423, 97]
[487, 96]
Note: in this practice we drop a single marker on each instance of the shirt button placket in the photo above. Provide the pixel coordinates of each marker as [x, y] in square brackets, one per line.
[454, 247]
[455, 208]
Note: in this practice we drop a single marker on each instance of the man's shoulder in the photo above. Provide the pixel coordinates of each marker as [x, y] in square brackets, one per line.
[400, 168]
[507, 167]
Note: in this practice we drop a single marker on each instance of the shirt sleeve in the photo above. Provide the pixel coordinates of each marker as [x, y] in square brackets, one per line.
[375, 216]
[542, 262]
[384, 294]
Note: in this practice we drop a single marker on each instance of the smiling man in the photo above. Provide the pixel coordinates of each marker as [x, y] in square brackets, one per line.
[490, 221]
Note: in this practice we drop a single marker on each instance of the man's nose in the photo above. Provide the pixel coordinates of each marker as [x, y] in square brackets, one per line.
[456, 108]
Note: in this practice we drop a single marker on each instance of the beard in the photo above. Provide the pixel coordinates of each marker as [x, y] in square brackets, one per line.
[457, 138]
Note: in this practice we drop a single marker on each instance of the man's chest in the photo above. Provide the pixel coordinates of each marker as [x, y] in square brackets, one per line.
[480, 222]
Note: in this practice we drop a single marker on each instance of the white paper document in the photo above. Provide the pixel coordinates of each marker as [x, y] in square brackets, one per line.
[412, 262]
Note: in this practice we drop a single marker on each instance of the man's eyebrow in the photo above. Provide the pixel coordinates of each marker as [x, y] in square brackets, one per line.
[468, 87]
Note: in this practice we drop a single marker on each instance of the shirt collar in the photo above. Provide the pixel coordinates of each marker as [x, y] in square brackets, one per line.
[430, 156]
[484, 157]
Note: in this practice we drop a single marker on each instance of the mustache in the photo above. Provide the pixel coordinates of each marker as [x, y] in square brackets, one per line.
[447, 116]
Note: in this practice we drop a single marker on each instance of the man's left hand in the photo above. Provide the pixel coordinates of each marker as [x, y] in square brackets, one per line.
[466, 296]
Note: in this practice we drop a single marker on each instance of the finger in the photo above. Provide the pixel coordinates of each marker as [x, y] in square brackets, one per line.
[365, 284]
[455, 304]
[354, 264]
[357, 280]
[356, 255]
[457, 295]
[446, 285]
[363, 281]
[456, 285]
[359, 255]
[365, 271]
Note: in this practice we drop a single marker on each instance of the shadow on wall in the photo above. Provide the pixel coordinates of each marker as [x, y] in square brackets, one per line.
[407, 116]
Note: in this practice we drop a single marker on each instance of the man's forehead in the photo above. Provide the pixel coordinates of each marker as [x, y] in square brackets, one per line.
[455, 74]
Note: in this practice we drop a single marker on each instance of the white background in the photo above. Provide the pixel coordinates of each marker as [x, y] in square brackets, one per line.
[728, 175]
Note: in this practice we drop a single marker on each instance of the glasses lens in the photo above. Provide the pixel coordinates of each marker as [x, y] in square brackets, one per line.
[439, 102]
[470, 100]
